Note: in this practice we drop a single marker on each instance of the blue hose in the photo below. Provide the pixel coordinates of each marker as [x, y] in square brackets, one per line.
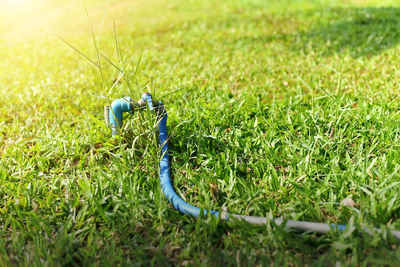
[165, 180]
[125, 105]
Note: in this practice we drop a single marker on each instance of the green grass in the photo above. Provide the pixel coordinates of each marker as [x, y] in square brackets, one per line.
[281, 108]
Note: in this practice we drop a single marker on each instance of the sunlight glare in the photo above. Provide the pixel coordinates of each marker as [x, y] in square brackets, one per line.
[12, 4]
[22, 17]
[16, 7]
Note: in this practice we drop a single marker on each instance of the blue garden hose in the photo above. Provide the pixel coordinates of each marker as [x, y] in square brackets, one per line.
[114, 120]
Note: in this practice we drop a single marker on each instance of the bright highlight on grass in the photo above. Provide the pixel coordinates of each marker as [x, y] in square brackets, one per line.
[17, 5]
[15, 2]
[18, 11]
[29, 18]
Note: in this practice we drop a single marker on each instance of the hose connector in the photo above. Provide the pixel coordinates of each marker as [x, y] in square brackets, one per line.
[114, 114]
[146, 98]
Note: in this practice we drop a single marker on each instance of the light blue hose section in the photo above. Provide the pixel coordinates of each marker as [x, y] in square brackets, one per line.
[118, 107]
[123, 105]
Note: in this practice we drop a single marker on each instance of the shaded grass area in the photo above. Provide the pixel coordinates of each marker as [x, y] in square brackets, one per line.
[279, 109]
[360, 32]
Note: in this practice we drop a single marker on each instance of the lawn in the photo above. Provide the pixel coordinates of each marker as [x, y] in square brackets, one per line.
[276, 108]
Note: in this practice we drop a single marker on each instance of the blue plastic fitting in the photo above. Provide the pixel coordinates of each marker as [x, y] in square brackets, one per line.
[118, 107]
[147, 97]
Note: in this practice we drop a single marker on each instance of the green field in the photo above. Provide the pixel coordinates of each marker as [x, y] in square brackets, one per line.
[276, 108]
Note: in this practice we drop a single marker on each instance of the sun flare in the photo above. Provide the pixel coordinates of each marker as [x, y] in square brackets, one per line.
[13, 8]
[22, 17]
[16, 4]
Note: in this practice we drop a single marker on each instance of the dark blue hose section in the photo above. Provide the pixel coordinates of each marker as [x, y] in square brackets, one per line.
[165, 180]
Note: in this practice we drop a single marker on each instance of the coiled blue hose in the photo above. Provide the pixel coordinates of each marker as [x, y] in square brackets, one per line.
[119, 107]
